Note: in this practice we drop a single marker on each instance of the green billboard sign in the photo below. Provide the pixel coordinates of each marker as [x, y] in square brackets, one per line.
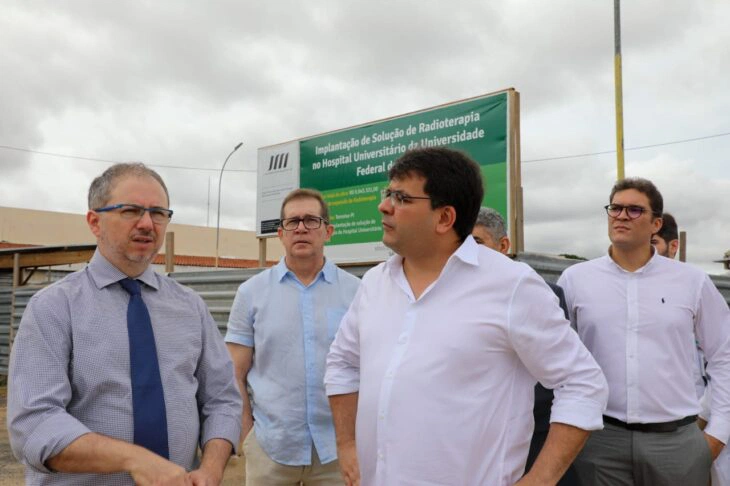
[350, 166]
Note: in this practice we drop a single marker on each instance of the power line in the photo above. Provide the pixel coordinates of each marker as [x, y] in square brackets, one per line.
[19, 149]
[106, 161]
[674, 142]
[545, 159]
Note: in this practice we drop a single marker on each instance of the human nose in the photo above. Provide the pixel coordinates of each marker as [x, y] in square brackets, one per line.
[386, 205]
[301, 226]
[145, 220]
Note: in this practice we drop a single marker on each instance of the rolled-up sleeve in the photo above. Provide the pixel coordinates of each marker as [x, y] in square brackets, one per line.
[219, 401]
[712, 328]
[342, 375]
[39, 389]
[241, 319]
[553, 353]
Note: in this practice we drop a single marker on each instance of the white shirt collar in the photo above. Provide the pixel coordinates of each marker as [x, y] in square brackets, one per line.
[648, 265]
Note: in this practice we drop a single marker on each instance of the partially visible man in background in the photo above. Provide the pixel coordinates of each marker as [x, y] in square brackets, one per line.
[490, 231]
[666, 240]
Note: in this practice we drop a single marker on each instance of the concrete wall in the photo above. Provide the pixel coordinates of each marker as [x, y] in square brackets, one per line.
[52, 228]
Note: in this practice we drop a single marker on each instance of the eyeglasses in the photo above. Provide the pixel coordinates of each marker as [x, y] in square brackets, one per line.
[310, 222]
[398, 198]
[135, 211]
[633, 212]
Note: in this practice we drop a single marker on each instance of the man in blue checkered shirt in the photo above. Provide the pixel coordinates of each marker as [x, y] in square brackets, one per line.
[74, 413]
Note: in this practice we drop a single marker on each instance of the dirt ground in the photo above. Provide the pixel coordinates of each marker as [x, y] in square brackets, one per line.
[11, 471]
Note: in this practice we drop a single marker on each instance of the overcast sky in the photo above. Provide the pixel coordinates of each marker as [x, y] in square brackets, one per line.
[174, 83]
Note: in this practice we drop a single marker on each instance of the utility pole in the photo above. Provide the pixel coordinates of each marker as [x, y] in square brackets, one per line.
[619, 89]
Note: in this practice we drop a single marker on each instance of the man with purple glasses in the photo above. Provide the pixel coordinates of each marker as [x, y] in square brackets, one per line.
[639, 314]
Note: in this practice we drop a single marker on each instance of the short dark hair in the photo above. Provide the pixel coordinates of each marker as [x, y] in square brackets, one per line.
[306, 194]
[644, 186]
[669, 231]
[101, 187]
[452, 179]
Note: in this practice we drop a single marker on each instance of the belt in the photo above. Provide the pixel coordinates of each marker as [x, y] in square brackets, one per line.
[656, 427]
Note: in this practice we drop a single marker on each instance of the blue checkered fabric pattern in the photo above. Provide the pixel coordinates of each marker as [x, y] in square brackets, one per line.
[70, 371]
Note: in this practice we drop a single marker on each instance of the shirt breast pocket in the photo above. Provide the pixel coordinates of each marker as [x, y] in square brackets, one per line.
[334, 317]
[179, 342]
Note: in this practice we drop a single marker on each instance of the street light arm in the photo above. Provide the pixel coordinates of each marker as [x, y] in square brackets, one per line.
[218, 222]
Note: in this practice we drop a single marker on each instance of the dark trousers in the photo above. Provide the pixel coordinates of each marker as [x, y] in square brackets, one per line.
[615, 456]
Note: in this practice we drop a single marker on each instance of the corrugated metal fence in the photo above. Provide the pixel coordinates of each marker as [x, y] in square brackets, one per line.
[218, 288]
[6, 297]
[12, 306]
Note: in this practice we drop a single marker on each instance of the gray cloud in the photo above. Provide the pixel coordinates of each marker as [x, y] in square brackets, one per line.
[180, 84]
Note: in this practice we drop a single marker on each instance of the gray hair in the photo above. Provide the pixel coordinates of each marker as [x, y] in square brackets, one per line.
[492, 221]
[101, 187]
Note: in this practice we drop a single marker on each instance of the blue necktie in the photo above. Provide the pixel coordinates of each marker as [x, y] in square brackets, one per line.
[148, 400]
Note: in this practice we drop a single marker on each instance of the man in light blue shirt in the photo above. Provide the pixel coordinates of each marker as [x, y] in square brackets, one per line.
[280, 329]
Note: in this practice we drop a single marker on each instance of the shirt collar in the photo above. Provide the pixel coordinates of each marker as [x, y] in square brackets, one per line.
[647, 266]
[468, 252]
[328, 271]
[103, 273]
[393, 263]
[280, 270]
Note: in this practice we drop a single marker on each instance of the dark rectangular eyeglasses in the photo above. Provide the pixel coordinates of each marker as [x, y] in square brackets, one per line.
[310, 222]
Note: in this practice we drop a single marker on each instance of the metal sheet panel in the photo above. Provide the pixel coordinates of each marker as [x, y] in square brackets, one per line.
[218, 288]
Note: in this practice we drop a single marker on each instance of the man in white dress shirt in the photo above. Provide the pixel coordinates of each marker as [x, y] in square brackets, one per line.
[639, 314]
[431, 374]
